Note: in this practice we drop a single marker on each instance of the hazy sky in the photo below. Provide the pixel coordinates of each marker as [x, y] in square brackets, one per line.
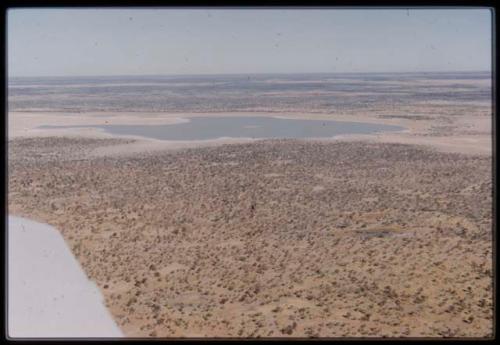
[61, 42]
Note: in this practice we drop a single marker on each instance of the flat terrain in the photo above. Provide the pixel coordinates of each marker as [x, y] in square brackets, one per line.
[274, 238]
[361, 235]
[452, 112]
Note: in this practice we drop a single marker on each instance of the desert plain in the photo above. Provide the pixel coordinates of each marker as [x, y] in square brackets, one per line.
[377, 235]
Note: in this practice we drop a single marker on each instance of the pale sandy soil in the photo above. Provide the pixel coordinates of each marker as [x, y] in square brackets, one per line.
[466, 144]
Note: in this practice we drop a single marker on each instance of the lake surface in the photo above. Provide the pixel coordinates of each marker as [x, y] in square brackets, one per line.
[205, 128]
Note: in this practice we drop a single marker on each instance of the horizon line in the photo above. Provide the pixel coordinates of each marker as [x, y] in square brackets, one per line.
[243, 74]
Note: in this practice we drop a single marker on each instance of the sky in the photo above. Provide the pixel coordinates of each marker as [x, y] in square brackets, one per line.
[91, 42]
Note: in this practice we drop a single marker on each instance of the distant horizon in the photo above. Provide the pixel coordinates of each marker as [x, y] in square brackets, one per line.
[242, 74]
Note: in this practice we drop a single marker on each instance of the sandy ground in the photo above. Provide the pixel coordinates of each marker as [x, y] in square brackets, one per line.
[466, 144]
[471, 134]
[272, 238]
[49, 295]
[357, 235]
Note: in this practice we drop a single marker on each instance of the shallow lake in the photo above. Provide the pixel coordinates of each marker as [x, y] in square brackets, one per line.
[204, 128]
